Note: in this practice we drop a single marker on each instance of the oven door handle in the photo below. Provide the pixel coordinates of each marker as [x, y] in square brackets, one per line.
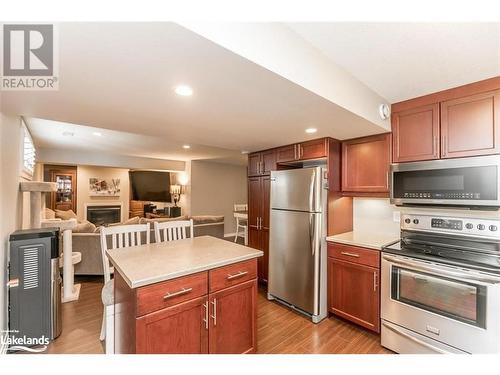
[461, 276]
[415, 340]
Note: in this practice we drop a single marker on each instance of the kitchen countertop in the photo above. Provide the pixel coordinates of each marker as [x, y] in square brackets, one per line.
[153, 263]
[364, 239]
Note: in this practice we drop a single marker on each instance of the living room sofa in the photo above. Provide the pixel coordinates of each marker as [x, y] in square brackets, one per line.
[88, 244]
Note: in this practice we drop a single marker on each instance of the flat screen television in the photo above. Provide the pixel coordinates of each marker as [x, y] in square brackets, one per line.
[150, 186]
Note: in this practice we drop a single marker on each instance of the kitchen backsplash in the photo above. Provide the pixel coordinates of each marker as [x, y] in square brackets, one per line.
[378, 215]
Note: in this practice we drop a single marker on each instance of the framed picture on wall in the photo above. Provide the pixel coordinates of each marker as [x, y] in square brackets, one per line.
[104, 188]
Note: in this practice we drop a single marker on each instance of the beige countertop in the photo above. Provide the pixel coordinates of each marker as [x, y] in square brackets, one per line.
[153, 263]
[364, 239]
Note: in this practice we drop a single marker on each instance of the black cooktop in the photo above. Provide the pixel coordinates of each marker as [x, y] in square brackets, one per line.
[467, 252]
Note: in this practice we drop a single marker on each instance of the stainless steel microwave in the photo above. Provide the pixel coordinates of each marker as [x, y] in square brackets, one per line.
[471, 182]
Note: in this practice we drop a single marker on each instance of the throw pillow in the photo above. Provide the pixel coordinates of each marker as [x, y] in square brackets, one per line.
[131, 221]
[65, 215]
[85, 227]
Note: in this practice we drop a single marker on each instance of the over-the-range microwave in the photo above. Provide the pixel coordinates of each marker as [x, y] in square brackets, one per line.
[471, 182]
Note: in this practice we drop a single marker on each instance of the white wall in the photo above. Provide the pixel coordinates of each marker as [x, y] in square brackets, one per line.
[10, 198]
[215, 188]
[376, 214]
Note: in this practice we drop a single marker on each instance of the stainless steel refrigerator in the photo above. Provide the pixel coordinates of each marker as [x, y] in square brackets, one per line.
[297, 245]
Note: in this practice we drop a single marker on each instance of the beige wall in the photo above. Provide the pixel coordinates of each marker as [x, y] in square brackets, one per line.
[84, 173]
[83, 197]
[215, 188]
[10, 198]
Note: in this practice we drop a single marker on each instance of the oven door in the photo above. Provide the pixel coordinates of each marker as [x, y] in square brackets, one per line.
[454, 306]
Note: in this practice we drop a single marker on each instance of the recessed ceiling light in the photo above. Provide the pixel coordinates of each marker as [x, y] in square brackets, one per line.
[311, 130]
[183, 90]
[187, 147]
[97, 134]
[68, 134]
[245, 152]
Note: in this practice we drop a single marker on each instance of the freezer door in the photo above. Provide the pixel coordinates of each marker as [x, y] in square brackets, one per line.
[297, 189]
[294, 258]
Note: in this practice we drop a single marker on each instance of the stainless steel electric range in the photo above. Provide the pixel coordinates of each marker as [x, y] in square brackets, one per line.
[440, 288]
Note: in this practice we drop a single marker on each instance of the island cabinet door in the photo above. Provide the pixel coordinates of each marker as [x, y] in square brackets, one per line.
[233, 319]
[180, 329]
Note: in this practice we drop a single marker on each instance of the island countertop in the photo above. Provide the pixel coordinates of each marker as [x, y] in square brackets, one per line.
[148, 264]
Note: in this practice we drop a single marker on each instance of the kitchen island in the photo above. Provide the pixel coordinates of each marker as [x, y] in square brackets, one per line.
[190, 296]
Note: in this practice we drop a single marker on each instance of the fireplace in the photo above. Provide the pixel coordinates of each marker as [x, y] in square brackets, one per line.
[104, 215]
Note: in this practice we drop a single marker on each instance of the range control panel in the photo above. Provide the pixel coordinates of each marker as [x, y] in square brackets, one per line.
[459, 225]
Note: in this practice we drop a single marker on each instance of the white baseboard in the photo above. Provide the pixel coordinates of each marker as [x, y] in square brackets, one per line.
[229, 235]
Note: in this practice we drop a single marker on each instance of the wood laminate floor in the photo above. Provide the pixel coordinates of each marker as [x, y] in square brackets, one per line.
[280, 330]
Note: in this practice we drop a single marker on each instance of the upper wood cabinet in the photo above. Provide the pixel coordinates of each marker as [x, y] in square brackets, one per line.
[286, 153]
[314, 149]
[261, 163]
[470, 125]
[365, 164]
[416, 134]
[459, 122]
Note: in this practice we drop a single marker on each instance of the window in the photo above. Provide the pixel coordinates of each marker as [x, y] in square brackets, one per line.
[28, 152]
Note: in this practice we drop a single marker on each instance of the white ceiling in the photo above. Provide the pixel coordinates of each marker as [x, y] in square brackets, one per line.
[53, 134]
[400, 61]
[120, 76]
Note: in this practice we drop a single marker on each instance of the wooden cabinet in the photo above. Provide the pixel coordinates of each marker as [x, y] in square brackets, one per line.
[209, 312]
[177, 329]
[416, 134]
[314, 149]
[233, 323]
[258, 220]
[353, 286]
[261, 163]
[286, 153]
[64, 198]
[459, 122]
[365, 164]
[470, 125]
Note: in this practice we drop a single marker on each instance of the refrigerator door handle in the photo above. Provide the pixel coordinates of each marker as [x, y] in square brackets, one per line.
[312, 236]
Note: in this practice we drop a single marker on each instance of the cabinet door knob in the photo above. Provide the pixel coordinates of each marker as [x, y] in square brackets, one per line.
[214, 316]
[237, 275]
[350, 254]
[205, 320]
[176, 294]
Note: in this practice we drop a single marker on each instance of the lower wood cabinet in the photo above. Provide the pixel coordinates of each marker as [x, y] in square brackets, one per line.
[354, 286]
[233, 327]
[223, 320]
[177, 329]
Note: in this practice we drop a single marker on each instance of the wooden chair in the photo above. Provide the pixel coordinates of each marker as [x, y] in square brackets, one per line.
[241, 223]
[121, 236]
[173, 230]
